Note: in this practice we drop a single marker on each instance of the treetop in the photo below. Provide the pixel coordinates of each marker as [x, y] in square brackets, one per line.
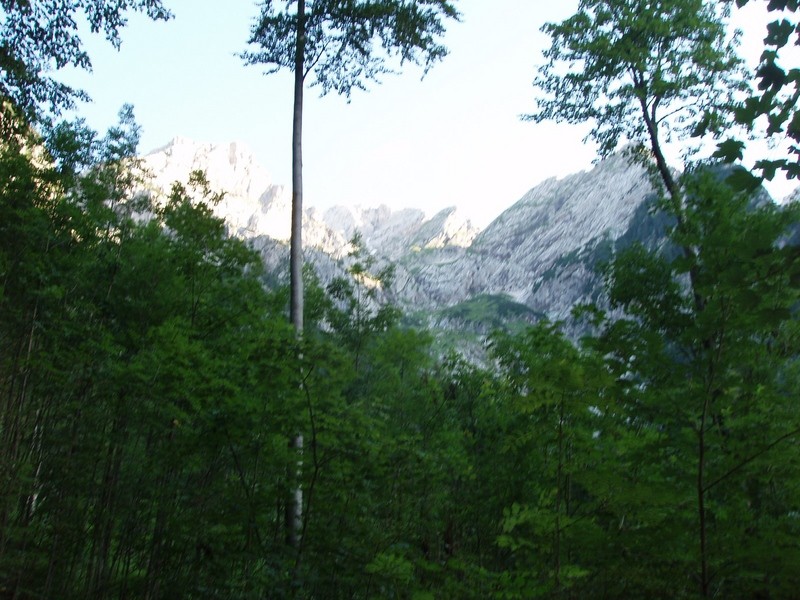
[349, 42]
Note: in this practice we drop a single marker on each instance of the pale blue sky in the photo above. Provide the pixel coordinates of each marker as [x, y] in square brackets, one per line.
[453, 138]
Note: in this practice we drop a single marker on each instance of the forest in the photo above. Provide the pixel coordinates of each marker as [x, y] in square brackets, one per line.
[176, 424]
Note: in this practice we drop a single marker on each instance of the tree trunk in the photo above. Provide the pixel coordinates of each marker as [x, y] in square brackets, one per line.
[690, 253]
[675, 197]
[294, 506]
[701, 500]
[296, 247]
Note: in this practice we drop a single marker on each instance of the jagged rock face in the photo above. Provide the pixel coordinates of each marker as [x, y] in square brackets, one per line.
[540, 252]
[255, 207]
[559, 216]
[229, 167]
[446, 228]
[393, 233]
[252, 205]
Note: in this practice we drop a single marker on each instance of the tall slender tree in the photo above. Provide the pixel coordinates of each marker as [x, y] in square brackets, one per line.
[343, 45]
[641, 72]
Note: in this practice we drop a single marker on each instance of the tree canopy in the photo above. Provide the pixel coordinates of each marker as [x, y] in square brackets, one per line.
[349, 43]
[39, 36]
[640, 72]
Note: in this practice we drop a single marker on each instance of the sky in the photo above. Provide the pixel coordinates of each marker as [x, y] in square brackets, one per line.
[452, 138]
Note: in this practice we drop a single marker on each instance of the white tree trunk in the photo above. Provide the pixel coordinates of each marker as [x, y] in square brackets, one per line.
[294, 508]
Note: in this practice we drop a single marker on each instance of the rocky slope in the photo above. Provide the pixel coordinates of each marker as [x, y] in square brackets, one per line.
[540, 252]
[255, 207]
[536, 258]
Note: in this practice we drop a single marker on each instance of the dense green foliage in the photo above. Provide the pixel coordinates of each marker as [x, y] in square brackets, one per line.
[151, 380]
[707, 373]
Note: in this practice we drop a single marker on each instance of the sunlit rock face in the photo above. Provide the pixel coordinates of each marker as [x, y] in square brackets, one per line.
[253, 206]
[541, 252]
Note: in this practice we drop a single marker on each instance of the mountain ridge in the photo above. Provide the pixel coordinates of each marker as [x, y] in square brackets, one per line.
[254, 206]
[540, 253]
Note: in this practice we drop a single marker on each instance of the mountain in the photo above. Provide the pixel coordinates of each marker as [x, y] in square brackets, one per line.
[541, 251]
[254, 207]
[537, 258]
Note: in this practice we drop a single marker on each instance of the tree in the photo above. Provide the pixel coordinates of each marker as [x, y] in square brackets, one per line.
[557, 395]
[336, 42]
[38, 36]
[641, 72]
[706, 387]
[776, 98]
[691, 347]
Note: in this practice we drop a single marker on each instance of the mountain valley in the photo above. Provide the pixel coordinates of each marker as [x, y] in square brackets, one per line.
[537, 259]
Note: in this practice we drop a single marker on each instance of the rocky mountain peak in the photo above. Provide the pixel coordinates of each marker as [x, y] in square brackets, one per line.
[447, 228]
[541, 251]
[559, 215]
[255, 207]
[231, 167]
[538, 255]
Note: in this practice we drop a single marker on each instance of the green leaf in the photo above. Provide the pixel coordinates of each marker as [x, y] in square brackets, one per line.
[743, 180]
[730, 150]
